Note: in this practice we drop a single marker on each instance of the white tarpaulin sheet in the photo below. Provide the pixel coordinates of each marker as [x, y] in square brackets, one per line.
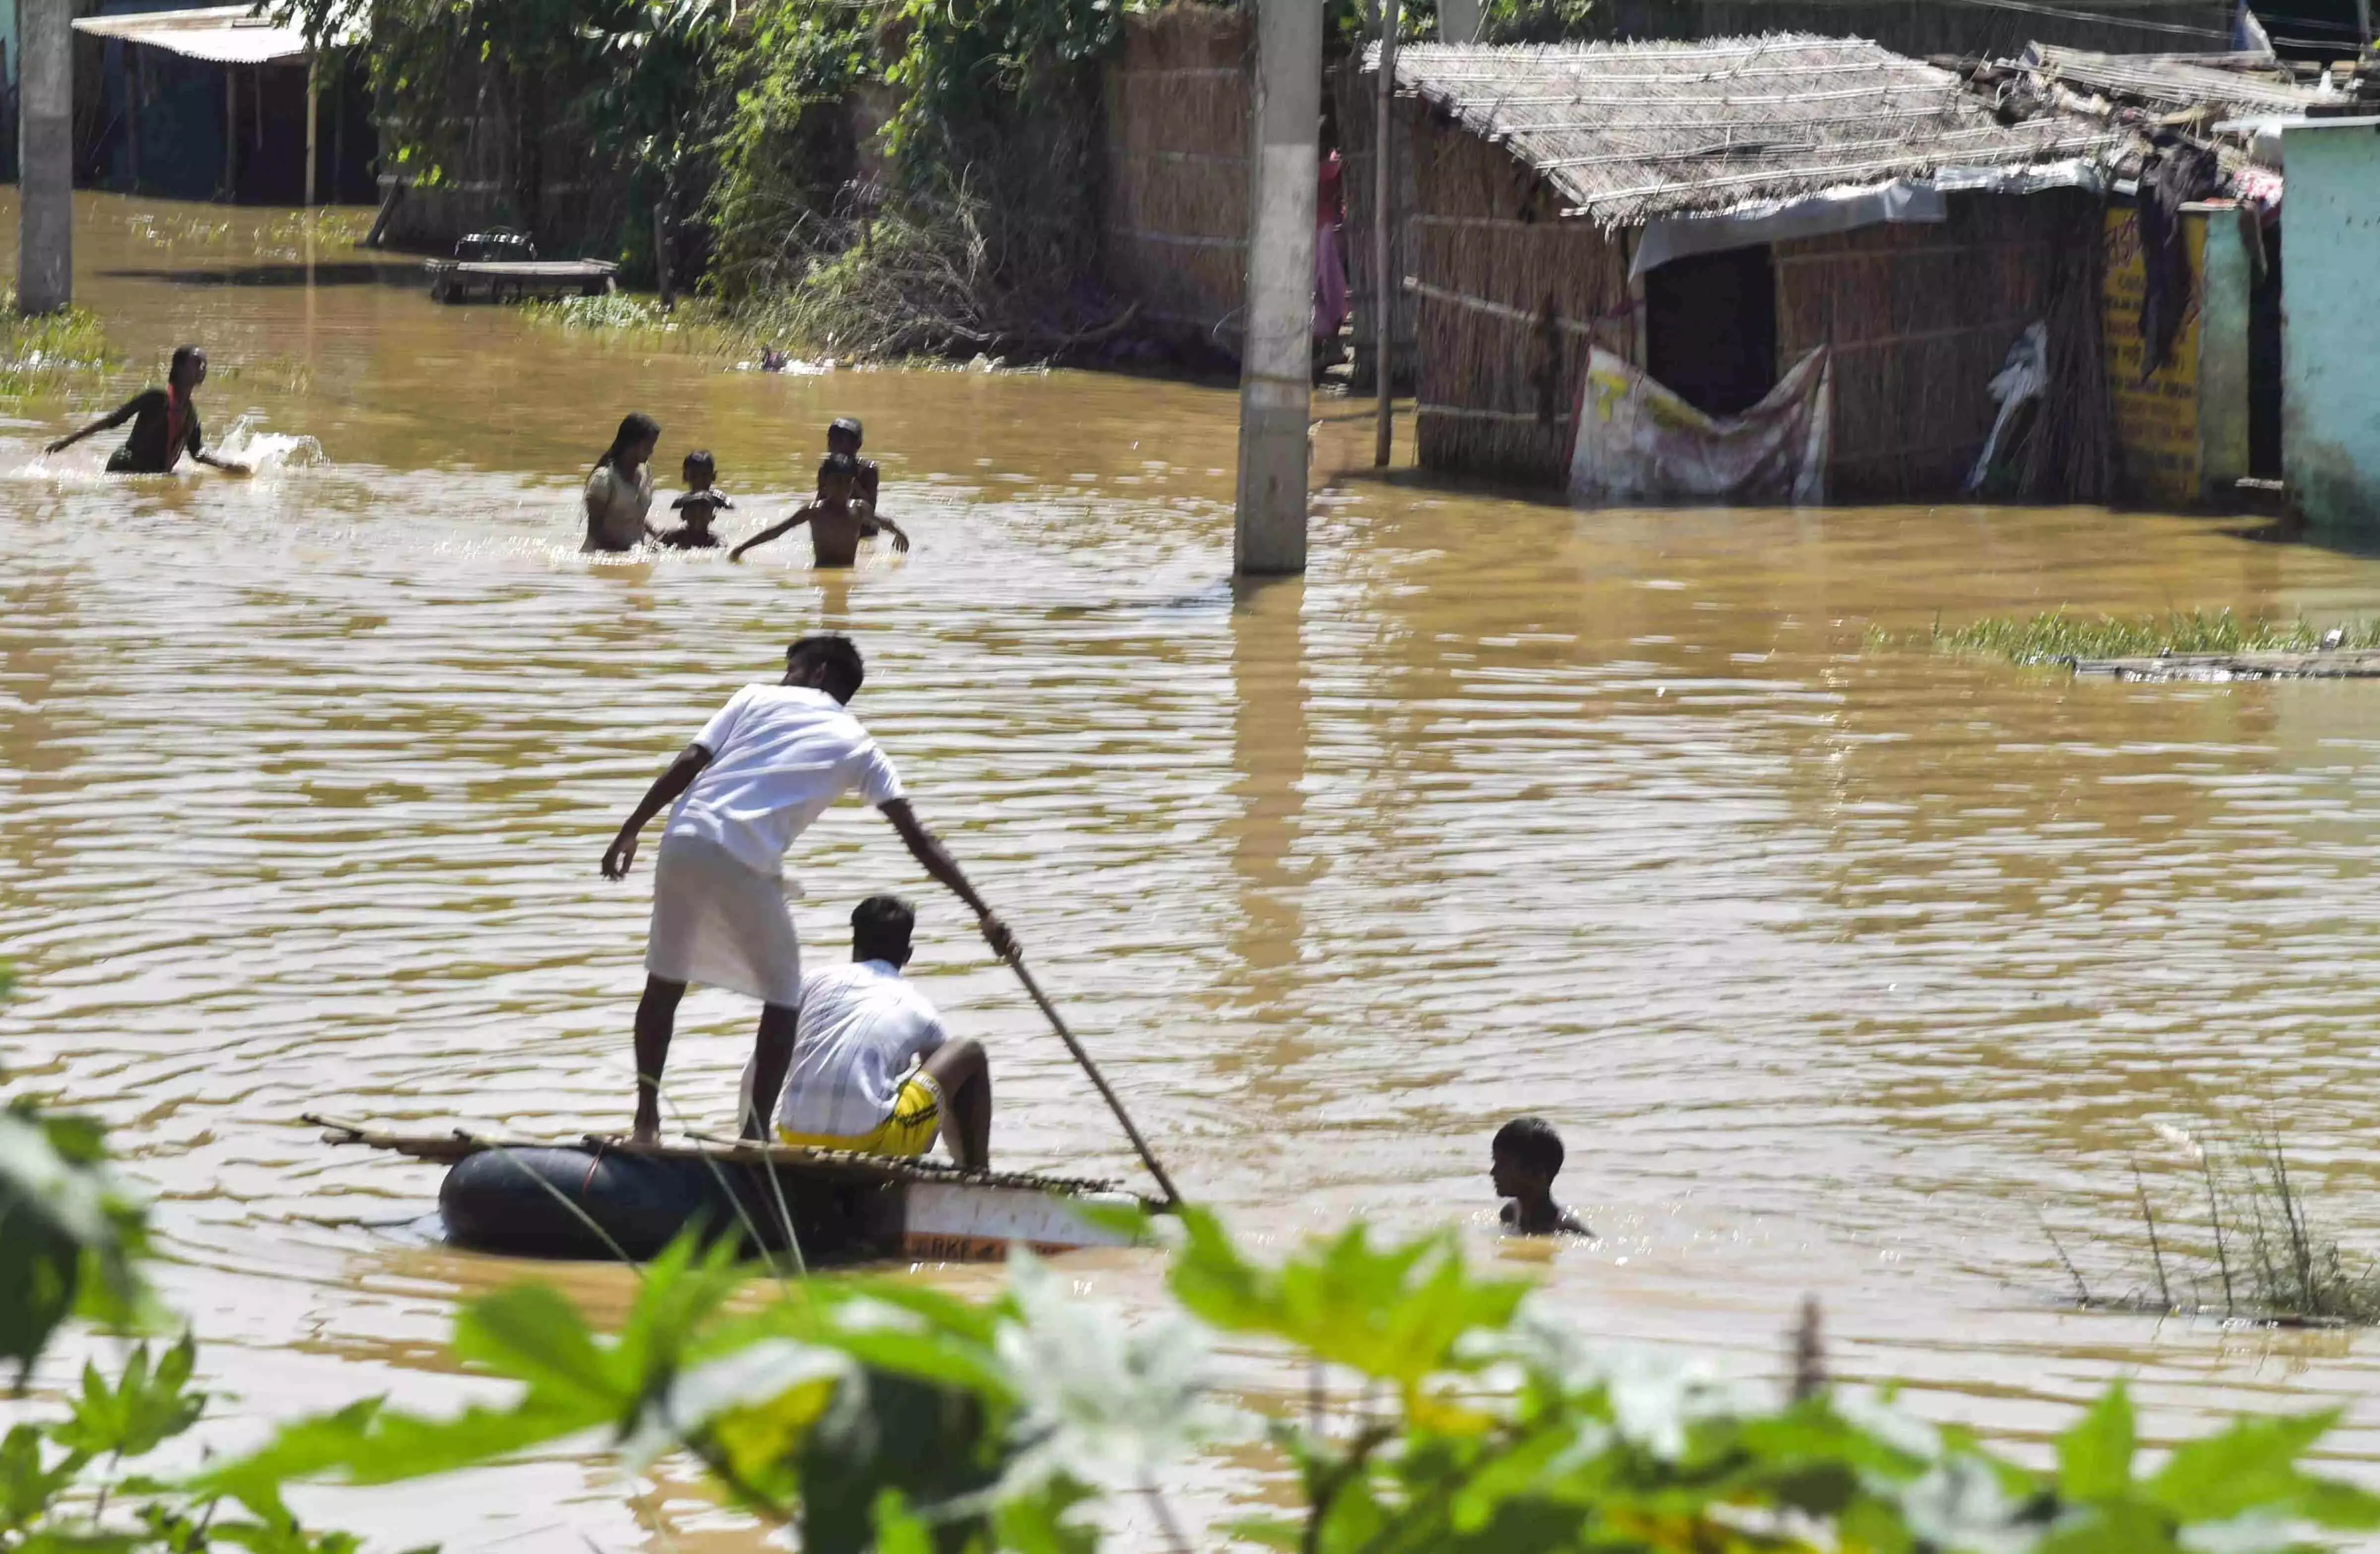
[1638, 442]
[217, 34]
[1848, 209]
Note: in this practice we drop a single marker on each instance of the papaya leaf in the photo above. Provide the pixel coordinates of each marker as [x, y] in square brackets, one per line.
[139, 1411]
[1104, 1403]
[2252, 1466]
[2095, 1458]
[364, 1444]
[27, 1487]
[776, 1390]
[530, 1333]
[900, 1530]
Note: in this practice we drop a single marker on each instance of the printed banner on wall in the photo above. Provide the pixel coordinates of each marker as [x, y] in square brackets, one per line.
[2157, 421]
[1638, 442]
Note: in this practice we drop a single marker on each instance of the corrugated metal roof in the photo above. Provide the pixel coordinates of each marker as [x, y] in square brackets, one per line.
[1631, 132]
[218, 34]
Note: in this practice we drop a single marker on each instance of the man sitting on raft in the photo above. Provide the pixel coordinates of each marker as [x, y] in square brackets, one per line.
[873, 1071]
[165, 424]
[766, 765]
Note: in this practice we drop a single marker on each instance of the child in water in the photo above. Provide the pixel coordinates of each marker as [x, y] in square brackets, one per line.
[833, 517]
[165, 424]
[701, 503]
[845, 436]
[620, 488]
[1528, 1156]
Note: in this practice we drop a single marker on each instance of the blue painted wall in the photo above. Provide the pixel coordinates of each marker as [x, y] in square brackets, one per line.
[2330, 370]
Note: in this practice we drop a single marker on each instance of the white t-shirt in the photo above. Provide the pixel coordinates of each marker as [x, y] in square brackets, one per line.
[778, 756]
[864, 1028]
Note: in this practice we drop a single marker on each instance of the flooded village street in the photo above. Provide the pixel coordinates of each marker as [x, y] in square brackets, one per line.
[1841, 965]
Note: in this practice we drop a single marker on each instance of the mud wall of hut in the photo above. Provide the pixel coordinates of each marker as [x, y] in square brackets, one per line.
[1175, 228]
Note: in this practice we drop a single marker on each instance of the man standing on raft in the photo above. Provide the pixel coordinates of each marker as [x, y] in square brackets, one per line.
[766, 765]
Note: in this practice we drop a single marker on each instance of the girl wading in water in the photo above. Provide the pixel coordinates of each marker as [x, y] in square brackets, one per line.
[620, 488]
[165, 424]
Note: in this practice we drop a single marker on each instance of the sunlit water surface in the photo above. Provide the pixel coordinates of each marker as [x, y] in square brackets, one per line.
[1838, 968]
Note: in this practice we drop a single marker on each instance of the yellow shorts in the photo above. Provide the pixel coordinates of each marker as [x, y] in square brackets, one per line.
[908, 1134]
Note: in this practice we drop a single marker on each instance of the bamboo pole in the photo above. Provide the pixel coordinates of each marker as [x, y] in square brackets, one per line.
[231, 133]
[1384, 281]
[1099, 1080]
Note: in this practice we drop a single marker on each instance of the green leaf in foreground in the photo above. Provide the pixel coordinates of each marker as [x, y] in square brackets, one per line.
[2095, 1458]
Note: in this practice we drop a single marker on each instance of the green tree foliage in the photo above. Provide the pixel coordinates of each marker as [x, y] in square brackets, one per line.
[874, 1415]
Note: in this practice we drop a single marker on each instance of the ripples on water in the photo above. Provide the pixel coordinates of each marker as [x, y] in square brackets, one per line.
[1835, 967]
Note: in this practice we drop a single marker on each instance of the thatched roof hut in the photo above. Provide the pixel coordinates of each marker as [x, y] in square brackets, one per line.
[1710, 211]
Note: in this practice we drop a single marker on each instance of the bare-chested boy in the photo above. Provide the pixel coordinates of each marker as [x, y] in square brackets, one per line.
[835, 522]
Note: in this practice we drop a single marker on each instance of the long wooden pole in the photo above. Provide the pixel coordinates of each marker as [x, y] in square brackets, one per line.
[1147, 1157]
[1384, 220]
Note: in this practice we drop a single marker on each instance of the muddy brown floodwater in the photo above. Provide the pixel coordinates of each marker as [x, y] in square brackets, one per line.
[1837, 968]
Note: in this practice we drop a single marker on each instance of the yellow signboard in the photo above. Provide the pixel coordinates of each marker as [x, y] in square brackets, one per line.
[2157, 419]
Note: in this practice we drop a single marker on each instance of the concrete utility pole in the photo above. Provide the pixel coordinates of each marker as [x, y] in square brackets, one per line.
[44, 155]
[1385, 281]
[1458, 21]
[1276, 358]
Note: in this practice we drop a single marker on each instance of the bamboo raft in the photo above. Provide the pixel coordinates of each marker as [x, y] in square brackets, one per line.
[454, 280]
[600, 1196]
[2352, 664]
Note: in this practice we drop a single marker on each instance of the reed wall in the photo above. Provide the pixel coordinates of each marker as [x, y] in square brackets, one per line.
[1175, 225]
[1509, 298]
[1919, 317]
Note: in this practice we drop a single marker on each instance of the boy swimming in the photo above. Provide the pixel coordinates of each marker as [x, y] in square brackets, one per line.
[165, 424]
[1528, 1156]
[845, 436]
[701, 503]
[833, 517]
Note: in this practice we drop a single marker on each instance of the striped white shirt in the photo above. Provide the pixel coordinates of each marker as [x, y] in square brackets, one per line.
[864, 1029]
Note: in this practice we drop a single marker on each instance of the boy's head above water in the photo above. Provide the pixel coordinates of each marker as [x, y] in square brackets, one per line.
[189, 369]
[700, 470]
[836, 472]
[1527, 1157]
[844, 436]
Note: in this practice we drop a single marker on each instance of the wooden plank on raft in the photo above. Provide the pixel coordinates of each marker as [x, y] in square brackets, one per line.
[458, 1144]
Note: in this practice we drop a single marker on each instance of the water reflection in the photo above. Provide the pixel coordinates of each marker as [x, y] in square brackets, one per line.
[1837, 967]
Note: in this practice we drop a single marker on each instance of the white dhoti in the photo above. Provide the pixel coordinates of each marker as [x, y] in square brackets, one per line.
[718, 922]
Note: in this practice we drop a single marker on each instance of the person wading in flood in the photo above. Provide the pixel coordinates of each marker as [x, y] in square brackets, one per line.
[620, 487]
[834, 518]
[165, 424]
[766, 765]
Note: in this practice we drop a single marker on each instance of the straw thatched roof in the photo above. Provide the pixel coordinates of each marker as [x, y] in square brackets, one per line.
[2241, 84]
[1631, 132]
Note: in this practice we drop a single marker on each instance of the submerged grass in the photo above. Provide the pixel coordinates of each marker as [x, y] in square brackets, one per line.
[50, 353]
[2245, 1244]
[2060, 638]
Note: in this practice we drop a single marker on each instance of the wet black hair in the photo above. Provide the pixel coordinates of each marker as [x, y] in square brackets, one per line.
[845, 670]
[1532, 1144]
[839, 464]
[700, 459]
[880, 928]
[846, 423]
[183, 357]
[635, 427]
